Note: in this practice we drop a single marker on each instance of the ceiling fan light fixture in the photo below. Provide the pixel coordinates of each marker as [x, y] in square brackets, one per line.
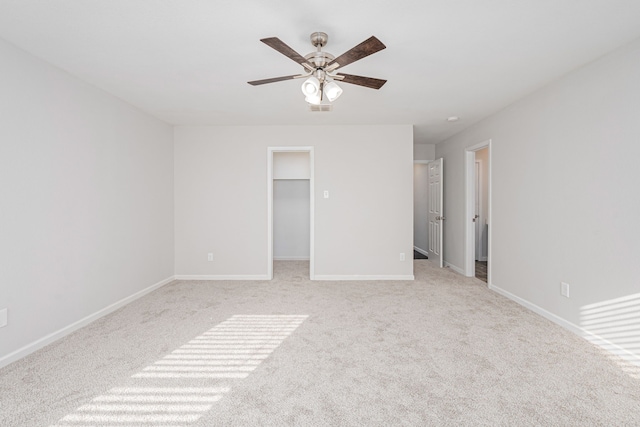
[313, 99]
[320, 68]
[311, 86]
[332, 91]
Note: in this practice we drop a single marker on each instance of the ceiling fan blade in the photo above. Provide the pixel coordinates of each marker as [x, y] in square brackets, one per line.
[364, 49]
[369, 82]
[284, 49]
[273, 80]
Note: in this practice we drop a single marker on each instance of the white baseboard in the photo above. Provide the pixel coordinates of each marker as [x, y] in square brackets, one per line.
[54, 336]
[483, 259]
[422, 251]
[607, 345]
[454, 268]
[223, 277]
[291, 258]
[362, 277]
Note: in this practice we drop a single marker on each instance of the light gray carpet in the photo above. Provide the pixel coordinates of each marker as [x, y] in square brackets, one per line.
[441, 350]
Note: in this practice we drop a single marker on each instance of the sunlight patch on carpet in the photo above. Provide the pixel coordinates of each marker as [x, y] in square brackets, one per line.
[228, 351]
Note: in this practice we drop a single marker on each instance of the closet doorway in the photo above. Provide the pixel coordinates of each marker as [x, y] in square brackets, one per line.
[290, 198]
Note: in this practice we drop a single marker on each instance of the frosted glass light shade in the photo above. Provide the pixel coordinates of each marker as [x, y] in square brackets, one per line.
[313, 99]
[311, 86]
[332, 91]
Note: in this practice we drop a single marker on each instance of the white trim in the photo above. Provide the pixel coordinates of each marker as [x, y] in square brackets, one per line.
[469, 226]
[224, 277]
[363, 277]
[469, 201]
[54, 336]
[312, 215]
[481, 220]
[484, 259]
[454, 268]
[291, 258]
[489, 214]
[270, 257]
[422, 251]
[589, 336]
[269, 214]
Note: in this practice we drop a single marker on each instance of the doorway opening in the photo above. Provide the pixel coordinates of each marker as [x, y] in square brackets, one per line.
[478, 211]
[290, 208]
[420, 209]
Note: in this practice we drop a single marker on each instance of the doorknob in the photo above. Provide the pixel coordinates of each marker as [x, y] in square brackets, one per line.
[476, 217]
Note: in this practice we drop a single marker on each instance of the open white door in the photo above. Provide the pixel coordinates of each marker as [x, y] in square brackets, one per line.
[435, 212]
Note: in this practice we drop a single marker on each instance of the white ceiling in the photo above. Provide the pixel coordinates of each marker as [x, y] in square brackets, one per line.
[188, 61]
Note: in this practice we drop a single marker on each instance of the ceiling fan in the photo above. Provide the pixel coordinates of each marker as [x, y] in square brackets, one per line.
[320, 68]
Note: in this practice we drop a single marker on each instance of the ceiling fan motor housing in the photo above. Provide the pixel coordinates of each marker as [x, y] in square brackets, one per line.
[319, 58]
[319, 39]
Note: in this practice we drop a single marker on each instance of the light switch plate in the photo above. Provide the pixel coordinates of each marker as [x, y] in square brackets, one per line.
[564, 289]
[3, 317]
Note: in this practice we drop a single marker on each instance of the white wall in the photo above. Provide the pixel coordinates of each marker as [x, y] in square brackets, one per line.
[483, 157]
[424, 152]
[291, 165]
[421, 206]
[360, 230]
[86, 201]
[291, 227]
[565, 199]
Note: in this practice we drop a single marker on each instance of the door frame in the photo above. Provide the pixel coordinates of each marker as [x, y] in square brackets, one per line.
[469, 227]
[292, 149]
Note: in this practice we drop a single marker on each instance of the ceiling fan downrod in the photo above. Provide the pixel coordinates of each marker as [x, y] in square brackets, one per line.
[319, 58]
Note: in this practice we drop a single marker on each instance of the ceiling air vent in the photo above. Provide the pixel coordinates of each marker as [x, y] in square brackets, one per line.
[321, 107]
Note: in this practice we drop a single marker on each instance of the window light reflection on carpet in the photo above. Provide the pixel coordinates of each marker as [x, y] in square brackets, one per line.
[230, 350]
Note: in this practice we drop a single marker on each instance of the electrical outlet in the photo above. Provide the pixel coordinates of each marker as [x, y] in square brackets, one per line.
[3, 317]
[326, 194]
[564, 289]
[210, 257]
[401, 256]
